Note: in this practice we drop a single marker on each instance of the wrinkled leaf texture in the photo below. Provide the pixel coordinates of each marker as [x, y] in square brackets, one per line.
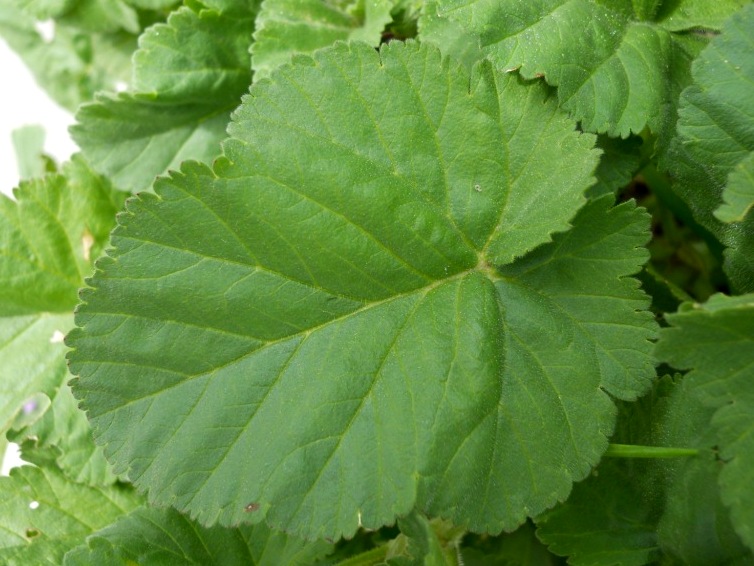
[711, 158]
[189, 74]
[618, 68]
[716, 342]
[357, 311]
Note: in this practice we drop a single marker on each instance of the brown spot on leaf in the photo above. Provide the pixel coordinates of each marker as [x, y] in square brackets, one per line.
[251, 507]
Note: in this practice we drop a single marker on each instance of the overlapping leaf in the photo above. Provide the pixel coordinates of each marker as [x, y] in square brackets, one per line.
[49, 237]
[61, 437]
[716, 342]
[33, 357]
[163, 536]
[618, 164]
[715, 144]
[617, 69]
[189, 75]
[43, 514]
[640, 511]
[287, 27]
[74, 64]
[739, 192]
[357, 337]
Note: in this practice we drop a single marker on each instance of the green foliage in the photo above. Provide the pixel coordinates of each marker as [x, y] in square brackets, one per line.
[382, 297]
[189, 74]
[399, 257]
[711, 157]
[164, 536]
[43, 514]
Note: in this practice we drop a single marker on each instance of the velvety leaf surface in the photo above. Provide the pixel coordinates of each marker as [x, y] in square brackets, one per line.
[639, 511]
[189, 73]
[43, 514]
[619, 74]
[287, 27]
[74, 64]
[716, 135]
[716, 342]
[150, 536]
[358, 337]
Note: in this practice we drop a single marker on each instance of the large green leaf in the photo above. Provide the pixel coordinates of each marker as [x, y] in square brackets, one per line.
[189, 74]
[716, 141]
[618, 70]
[716, 342]
[357, 336]
[287, 27]
[43, 514]
[150, 536]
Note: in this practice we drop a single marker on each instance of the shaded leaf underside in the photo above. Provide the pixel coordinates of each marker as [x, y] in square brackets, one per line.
[363, 264]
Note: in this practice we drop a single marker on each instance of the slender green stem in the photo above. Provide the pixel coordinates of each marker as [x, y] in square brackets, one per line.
[634, 451]
[368, 558]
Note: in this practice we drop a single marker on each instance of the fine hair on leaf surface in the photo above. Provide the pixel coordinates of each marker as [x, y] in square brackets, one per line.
[376, 270]
[401, 282]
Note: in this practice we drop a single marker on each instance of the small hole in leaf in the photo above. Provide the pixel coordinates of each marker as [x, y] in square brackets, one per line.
[32, 533]
[34, 505]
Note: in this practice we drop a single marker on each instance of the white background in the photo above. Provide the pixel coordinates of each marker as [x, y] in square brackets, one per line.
[22, 103]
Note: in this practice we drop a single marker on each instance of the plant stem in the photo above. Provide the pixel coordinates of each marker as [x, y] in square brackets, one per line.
[635, 451]
[368, 558]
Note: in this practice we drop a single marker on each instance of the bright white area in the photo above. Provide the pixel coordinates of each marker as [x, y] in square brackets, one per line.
[23, 103]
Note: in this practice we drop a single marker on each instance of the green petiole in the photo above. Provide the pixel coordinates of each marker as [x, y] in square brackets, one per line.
[635, 451]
